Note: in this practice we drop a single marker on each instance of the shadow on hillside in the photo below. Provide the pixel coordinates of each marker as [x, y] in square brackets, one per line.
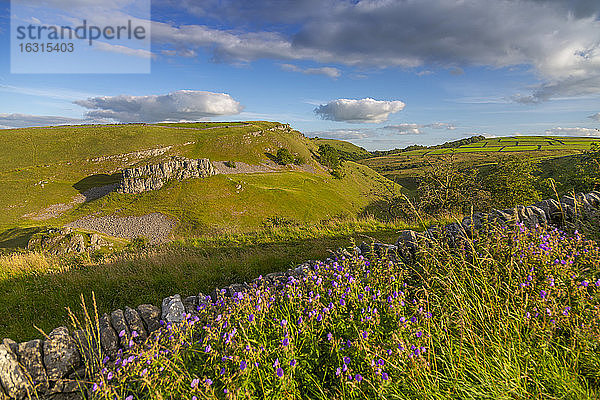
[17, 238]
[97, 180]
[271, 157]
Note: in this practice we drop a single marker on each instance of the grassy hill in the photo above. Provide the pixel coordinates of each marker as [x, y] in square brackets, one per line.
[406, 166]
[348, 150]
[47, 168]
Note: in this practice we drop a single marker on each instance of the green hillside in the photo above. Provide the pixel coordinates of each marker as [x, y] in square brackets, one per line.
[43, 170]
[351, 151]
[406, 166]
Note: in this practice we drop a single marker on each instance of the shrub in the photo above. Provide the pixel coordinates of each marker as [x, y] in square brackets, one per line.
[329, 156]
[138, 243]
[284, 157]
[511, 182]
[230, 164]
[277, 220]
[444, 187]
[337, 173]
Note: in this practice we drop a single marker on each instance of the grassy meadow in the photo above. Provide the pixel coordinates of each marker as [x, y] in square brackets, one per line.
[513, 315]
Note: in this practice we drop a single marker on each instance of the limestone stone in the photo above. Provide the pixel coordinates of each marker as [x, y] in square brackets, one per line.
[135, 323]
[154, 177]
[12, 377]
[190, 303]
[61, 356]
[30, 357]
[11, 344]
[150, 314]
[117, 320]
[108, 337]
[172, 309]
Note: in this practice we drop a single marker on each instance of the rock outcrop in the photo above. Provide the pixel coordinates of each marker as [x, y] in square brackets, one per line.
[155, 176]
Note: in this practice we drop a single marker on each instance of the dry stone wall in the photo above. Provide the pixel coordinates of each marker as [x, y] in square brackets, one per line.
[155, 176]
[53, 368]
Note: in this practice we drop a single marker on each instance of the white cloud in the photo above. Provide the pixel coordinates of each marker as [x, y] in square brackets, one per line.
[417, 129]
[343, 134]
[573, 132]
[117, 48]
[359, 111]
[175, 106]
[405, 129]
[558, 39]
[27, 120]
[595, 117]
[330, 72]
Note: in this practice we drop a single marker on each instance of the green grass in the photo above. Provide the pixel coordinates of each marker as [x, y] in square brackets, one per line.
[42, 167]
[35, 288]
[408, 166]
[344, 147]
[478, 324]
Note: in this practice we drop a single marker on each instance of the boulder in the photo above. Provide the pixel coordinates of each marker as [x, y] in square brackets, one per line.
[61, 356]
[172, 309]
[117, 320]
[408, 239]
[12, 345]
[108, 337]
[135, 324]
[30, 357]
[12, 377]
[150, 314]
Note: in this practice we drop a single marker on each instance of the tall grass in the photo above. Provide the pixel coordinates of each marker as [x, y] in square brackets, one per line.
[512, 315]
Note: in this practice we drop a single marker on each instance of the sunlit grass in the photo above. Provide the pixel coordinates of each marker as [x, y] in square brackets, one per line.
[512, 315]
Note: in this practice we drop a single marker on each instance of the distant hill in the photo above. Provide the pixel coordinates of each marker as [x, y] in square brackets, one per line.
[406, 166]
[46, 176]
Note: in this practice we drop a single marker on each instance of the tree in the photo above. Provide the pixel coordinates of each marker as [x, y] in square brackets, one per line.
[444, 187]
[329, 156]
[587, 170]
[284, 156]
[512, 182]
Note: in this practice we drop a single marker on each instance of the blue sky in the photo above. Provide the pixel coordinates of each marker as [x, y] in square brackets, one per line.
[380, 73]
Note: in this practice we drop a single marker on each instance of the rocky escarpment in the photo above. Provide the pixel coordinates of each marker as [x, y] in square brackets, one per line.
[54, 367]
[155, 176]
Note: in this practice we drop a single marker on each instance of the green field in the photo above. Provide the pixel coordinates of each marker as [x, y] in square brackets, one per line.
[406, 167]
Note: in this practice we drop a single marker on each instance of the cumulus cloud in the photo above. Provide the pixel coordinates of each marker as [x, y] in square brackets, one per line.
[573, 132]
[359, 111]
[330, 72]
[27, 120]
[405, 129]
[175, 106]
[595, 117]
[417, 129]
[343, 134]
[558, 39]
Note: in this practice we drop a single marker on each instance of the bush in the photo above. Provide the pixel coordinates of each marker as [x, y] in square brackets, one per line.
[277, 220]
[137, 243]
[230, 164]
[337, 173]
[284, 157]
[444, 187]
[511, 182]
[329, 156]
